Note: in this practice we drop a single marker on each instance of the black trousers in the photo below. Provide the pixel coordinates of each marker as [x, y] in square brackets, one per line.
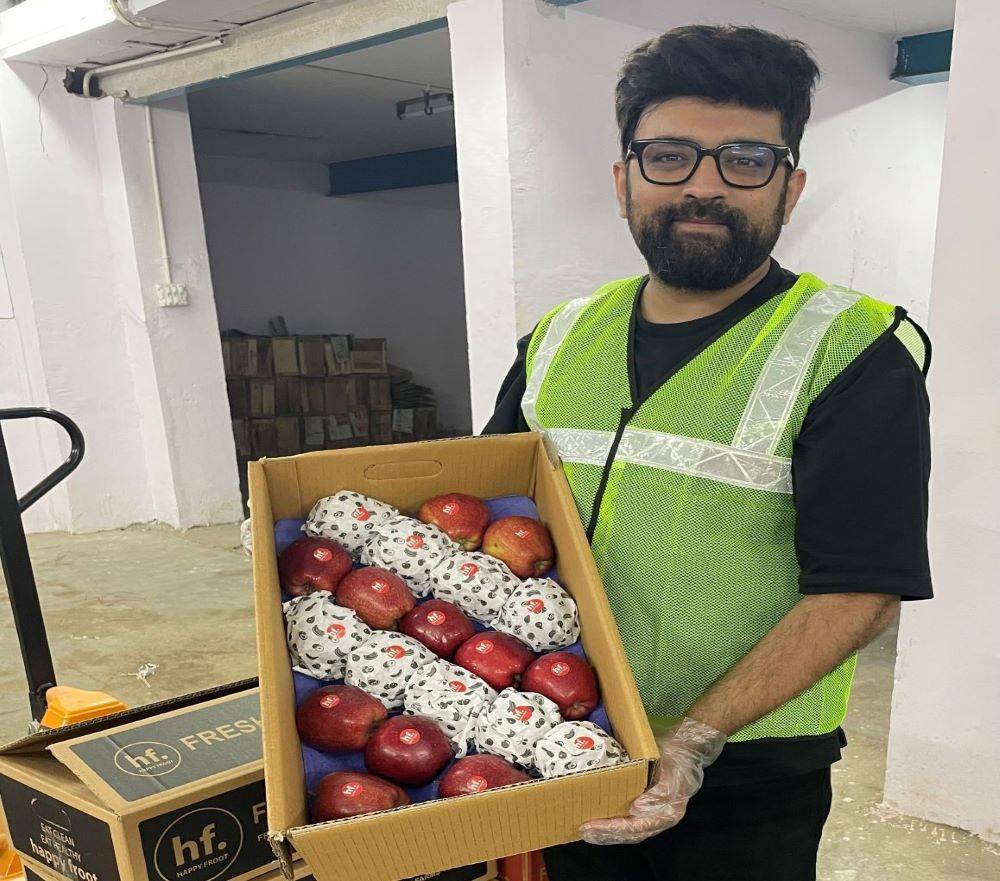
[767, 831]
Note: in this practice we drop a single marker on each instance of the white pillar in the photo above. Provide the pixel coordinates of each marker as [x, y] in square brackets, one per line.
[144, 383]
[944, 748]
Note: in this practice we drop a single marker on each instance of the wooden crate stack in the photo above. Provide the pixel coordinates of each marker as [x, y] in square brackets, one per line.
[294, 394]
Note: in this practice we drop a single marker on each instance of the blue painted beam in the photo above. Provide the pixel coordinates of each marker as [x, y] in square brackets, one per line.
[418, 168]
[923, 58]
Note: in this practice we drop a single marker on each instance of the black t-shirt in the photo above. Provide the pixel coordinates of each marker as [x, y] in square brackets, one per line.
[860, 470]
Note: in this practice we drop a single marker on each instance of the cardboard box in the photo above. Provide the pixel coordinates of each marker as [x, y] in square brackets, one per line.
[314, 397]
[360, 424]
[523, 867]
[338, 428]
[380, 425]
[338, 355]
[300, 872]
[261, 398]
[238, 392]
[241, 436]
[369, 356]
[263, 437]
[335, 396]
[312, 356]
[285, 351]
[436, 835]
[247, 356]
[313, 433]
[288, 433]
[288, 396]
[166, 792]
[380, 393]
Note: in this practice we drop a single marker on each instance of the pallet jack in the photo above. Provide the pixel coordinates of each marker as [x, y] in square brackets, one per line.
[52, 705]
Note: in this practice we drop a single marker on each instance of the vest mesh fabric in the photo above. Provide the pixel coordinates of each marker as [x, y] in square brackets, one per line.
[696, 571]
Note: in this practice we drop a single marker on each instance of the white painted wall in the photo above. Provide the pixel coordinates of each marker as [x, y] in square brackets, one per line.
[145, 386]
[944, 752]
[385, 264]
[873, 153]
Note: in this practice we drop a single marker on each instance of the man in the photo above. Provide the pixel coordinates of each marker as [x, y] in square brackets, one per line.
[749, 452]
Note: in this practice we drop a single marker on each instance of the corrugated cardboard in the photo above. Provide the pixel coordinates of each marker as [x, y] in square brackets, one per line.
[261, 398]
[369, 356]
[285, 352]
[167, 792]
[431, 836]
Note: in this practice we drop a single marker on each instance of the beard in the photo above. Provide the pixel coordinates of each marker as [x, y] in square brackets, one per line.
[709, 261]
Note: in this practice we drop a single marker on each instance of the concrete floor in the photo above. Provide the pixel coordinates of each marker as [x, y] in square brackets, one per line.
[116, 601]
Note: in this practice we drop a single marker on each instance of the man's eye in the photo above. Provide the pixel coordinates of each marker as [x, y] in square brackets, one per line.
[666, 158]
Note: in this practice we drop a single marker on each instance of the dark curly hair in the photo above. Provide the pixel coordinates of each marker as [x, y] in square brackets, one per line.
[727, 64]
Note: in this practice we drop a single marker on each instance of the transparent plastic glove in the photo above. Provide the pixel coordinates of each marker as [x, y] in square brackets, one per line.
[685, 752]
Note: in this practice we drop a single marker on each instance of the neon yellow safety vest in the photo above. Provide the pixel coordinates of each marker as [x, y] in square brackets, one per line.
[687, 495]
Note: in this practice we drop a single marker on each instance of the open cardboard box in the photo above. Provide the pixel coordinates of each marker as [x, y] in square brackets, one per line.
[440, 834]
[172, 791]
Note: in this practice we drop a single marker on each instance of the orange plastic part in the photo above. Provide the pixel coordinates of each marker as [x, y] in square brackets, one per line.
[67, 706]
[10, 862]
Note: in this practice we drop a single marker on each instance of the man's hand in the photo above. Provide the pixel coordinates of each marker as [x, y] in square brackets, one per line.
[685, 751]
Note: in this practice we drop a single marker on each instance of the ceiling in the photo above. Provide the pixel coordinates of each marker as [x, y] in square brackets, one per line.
[343, 107]
[895, 17]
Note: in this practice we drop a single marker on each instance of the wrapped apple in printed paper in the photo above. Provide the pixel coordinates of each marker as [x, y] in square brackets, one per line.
[450, 695]
[512, 725]
[478, 584]
[409, 548]
[383, 664]
[576, 746]
[348, 517]
[321, 635]
[541, 614]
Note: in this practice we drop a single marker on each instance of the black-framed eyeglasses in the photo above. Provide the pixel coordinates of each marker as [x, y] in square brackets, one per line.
[746, 165]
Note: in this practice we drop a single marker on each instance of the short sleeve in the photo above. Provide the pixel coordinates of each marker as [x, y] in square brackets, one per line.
[860, 472]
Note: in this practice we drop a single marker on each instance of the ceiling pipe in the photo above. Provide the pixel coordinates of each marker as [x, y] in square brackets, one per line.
[126, 16]
[151, 58]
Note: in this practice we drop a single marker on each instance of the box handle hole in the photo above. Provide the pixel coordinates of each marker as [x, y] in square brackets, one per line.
[403, 470]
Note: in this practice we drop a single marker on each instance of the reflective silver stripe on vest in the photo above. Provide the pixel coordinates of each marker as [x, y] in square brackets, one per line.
[556, 332]
[771, 402]
[683, 455]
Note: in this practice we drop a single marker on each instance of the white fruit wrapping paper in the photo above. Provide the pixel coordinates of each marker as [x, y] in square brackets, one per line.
[383, 664]
[576, 746]
[321, 635]
[512, 725]
[478, 584]
[348, 517]
[541, 614]
[410, 548]
[452, 696]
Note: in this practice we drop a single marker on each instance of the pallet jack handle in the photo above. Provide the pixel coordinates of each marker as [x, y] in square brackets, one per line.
[17, 570]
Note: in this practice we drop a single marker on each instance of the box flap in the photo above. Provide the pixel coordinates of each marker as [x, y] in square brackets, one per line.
[41, 741]
[132, 764]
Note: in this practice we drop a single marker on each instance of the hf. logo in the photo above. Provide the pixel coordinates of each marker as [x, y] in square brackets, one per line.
[147, 758]
[199, 846]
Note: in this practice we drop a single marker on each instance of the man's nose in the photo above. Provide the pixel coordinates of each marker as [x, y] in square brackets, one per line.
[705, 183]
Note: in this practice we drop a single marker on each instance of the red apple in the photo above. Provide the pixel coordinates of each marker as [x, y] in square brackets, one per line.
[498, 658]
[379, 597]
[462, 518]
[349, 793]
[567, 680]
[439, 625]
[476, 773]
[312, 564]
[522, 543]
[409, 750]
[339, 718]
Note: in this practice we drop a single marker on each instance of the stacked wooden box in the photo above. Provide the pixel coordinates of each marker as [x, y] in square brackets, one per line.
[294, 394]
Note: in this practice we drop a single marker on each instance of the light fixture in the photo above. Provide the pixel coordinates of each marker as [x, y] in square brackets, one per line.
[426, 105]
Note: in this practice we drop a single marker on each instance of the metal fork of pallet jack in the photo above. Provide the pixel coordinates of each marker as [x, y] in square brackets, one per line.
[17, 569]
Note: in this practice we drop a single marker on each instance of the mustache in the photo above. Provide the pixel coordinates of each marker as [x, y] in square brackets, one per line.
[698, 209]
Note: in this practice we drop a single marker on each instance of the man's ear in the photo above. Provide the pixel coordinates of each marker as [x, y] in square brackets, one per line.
[796, 184]
[620, 172]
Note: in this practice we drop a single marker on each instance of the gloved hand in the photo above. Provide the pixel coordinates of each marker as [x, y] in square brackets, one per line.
[685, 752]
